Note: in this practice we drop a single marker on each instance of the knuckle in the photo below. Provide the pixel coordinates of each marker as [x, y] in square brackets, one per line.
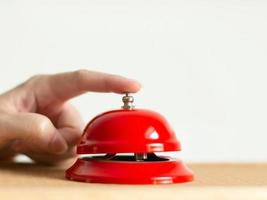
[41, 125]
[35, 77]
[81, 73]
[80, 76]
[33, 80]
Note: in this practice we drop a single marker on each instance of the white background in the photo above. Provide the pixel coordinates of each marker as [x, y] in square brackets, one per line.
[202, 63]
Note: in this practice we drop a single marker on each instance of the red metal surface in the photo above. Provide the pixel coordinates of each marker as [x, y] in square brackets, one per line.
[127, 131]
[129, 172]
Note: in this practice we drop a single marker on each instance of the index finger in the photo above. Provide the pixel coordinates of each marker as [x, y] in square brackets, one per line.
[63, 86]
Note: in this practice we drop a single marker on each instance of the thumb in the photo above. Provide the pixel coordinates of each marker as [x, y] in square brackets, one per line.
[35, 130]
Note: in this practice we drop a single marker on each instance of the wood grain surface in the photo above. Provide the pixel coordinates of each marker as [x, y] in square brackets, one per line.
[220, 181]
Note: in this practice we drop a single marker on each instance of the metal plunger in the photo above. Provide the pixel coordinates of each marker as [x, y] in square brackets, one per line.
[128, 105]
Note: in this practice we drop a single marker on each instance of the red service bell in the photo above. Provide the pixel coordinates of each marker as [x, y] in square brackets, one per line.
[125, 141]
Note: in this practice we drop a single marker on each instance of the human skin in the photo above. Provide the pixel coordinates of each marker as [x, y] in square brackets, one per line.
[36, 118]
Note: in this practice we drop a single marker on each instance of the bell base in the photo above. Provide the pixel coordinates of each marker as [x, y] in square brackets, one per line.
[129, 172]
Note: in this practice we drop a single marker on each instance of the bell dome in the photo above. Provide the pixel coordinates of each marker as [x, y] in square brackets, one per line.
[127, 131]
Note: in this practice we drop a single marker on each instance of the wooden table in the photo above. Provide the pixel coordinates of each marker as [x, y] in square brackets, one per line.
[213, 181]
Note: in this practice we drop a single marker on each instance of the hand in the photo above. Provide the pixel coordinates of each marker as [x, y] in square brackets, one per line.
[37, 120]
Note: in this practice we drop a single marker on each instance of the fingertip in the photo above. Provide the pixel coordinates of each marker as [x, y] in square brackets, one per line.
[125, 85]
[135, 86]
[57, 144]
[72, 136]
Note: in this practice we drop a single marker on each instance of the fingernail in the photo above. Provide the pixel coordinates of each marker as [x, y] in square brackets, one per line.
[136, 81]
[58, 144]
[136, 85]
